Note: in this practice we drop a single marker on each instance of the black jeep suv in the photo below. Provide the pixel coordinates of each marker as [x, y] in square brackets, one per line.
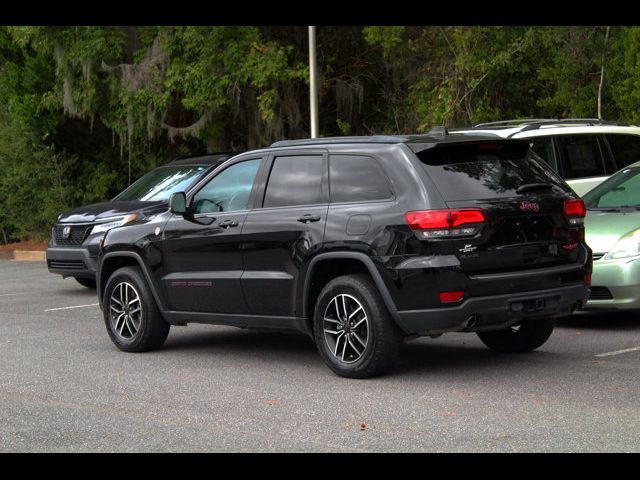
[358, 242]
[75, 239]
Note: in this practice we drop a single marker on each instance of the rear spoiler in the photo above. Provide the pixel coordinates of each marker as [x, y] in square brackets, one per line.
[462, 140]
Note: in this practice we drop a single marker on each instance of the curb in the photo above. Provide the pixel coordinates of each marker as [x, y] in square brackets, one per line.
[24, 255]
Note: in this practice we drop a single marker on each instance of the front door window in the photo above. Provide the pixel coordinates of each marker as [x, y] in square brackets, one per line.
[229, 190]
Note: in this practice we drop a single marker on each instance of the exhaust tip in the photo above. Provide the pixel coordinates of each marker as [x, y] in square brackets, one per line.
[471, 322]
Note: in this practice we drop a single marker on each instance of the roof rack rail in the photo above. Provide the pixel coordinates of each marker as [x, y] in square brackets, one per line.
[570, 121]
[353, 139]
[515, 122]
[535, 123]
[567, 122]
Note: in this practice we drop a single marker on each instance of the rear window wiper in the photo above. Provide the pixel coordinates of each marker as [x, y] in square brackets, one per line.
[622, 208]
[604, 209]
[532, 187]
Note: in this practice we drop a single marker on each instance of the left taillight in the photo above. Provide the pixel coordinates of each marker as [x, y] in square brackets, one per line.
[446, 223]
[575, 211]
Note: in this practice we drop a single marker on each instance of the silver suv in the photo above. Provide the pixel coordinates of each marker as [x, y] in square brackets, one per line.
[583, 151]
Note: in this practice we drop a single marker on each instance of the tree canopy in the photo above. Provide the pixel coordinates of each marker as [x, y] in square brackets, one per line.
[86, 110]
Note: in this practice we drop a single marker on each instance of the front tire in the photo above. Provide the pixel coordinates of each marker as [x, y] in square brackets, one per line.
[524, 337]
[131, 315]
[354, 332]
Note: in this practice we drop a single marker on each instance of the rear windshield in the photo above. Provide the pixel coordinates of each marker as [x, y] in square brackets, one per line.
[486, 170]
[160, 183]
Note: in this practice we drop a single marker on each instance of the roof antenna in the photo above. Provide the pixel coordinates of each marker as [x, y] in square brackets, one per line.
[438, 131]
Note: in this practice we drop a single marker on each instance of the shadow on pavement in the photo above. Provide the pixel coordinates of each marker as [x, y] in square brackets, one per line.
[602, 321]
[239, 341]
[420, 356]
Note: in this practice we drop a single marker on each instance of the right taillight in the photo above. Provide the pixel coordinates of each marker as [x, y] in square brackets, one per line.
[446, 223]
[575, 211]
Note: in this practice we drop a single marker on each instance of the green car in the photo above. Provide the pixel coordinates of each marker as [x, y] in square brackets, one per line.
[613, 233]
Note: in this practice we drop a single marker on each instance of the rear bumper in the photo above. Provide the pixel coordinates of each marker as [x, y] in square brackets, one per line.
[494, 312]
[71, 262]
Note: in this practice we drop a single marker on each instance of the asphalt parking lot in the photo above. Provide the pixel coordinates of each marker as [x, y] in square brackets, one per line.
[64, 387]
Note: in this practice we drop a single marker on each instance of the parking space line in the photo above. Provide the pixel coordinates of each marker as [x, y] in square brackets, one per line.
[52, 291]
[68, 308]
[618, 352]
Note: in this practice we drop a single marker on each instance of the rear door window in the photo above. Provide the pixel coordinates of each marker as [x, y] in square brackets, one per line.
[295, 180]
[488, 170]
[625, 148]
[581, 156]
[357, 178]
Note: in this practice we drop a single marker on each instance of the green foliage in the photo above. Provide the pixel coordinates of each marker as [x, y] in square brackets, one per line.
[344, 127]
[34, 185]
[571, 72]
[389, 38]
[625, 74]
[85, 110]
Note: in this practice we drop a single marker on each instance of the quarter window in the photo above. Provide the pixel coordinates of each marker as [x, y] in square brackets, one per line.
[229, 190]
[356, 178]
[625, 148]
[295, 180]
[581, 155]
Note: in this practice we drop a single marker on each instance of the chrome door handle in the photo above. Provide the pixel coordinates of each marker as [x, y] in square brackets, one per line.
[228, 223]
[309, 218]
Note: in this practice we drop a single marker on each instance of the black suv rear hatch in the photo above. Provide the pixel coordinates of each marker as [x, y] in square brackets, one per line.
[522, 199]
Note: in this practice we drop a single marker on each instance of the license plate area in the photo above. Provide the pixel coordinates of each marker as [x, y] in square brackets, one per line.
[529, 306]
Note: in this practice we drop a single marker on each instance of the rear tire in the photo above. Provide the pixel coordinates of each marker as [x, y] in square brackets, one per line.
[368, 342]
[131, 315]
[525, 337]
[86, 282]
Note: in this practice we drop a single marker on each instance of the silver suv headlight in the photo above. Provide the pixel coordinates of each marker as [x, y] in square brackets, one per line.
[113, 222]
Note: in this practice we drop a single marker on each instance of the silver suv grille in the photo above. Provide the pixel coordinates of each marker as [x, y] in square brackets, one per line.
[76, 236]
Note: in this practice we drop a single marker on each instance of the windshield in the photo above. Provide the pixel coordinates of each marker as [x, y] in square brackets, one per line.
[160, 183]
[620, 191]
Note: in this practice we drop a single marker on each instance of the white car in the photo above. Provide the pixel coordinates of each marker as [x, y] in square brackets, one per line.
[584, 152]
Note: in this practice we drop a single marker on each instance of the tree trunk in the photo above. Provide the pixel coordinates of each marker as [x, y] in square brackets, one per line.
[604, 55]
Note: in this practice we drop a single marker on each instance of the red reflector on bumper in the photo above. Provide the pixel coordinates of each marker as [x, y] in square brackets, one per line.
[451, 296]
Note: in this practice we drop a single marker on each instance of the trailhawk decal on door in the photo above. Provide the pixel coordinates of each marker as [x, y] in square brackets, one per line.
[191, 284]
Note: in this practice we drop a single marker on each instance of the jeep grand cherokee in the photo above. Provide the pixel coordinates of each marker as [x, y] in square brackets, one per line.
[358, 242]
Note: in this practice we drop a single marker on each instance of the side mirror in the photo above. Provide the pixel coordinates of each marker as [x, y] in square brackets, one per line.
[178, 203]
